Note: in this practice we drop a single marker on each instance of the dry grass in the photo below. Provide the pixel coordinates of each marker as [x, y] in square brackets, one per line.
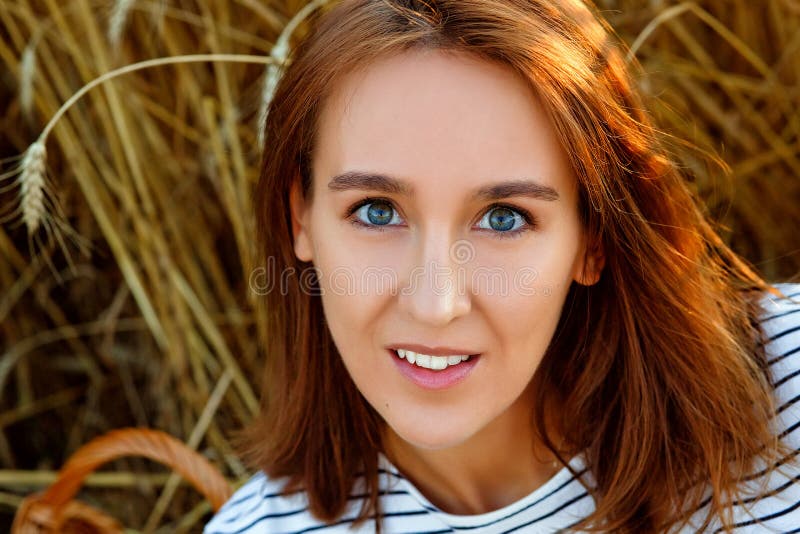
[153, 324]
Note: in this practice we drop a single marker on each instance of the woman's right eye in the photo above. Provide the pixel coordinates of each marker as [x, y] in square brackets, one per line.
[374, 213]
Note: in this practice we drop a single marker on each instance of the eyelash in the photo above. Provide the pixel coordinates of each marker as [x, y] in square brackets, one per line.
[530, 220]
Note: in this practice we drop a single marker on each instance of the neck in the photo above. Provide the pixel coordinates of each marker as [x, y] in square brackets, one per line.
[495, 467]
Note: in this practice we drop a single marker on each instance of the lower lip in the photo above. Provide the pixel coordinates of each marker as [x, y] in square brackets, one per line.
[430, 379]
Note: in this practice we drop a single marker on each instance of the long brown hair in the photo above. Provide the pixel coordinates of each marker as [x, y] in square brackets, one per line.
[658, 368]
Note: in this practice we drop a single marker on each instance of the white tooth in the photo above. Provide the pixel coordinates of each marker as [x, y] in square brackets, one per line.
[438, 362]
[427, 361]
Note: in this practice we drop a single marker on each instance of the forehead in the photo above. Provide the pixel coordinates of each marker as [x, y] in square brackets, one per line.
[439, 117]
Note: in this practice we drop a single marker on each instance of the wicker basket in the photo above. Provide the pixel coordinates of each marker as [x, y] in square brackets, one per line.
[54, 509]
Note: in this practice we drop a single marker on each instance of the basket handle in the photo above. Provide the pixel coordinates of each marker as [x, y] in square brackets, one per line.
[153, 444]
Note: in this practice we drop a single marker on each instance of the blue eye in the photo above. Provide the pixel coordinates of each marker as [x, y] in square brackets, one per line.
[379, 214]
[506, 221]
[501, 219]
[375, 212]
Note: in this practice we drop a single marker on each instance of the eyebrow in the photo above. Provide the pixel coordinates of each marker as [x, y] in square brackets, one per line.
[369, 181]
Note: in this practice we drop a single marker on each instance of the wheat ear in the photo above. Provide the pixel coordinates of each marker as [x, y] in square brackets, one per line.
[32, 186]
[117, 20]
[31, 171]
[279, 55]
[27, 72]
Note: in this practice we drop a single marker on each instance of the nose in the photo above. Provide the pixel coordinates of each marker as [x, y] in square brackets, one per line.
[437, 288]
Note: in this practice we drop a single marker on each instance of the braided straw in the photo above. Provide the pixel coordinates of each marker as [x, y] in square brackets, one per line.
[54, 510]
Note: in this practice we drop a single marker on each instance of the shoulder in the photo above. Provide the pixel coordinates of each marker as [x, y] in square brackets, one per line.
[780, 324]
[779, 318]
[259, 503]
[773, 491]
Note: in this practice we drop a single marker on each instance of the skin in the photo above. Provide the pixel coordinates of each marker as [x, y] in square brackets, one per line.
[445, 123]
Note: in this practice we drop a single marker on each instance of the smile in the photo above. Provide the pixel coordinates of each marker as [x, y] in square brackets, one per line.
[435, 363]
[434, 372]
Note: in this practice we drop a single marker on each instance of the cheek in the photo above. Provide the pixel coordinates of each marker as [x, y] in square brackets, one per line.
[523, 324]
[356, 275]
[539, 277]
[355, 282]
[543, 266]
[364, 266]
[553, 256]
[350, 318]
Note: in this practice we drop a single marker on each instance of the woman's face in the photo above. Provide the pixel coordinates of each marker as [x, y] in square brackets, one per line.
[470, 243]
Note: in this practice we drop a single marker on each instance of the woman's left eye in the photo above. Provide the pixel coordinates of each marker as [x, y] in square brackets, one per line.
[506, 221]
[378, 213]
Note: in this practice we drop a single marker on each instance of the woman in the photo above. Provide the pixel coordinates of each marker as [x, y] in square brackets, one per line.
[517, 318]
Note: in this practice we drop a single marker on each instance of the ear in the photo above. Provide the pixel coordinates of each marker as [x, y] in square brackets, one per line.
[299, 211]
[591, 266]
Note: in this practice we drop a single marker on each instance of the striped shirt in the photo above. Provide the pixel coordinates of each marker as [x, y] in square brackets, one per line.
[562, 501]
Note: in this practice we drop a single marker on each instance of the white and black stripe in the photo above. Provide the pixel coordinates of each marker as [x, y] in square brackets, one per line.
[559, 504]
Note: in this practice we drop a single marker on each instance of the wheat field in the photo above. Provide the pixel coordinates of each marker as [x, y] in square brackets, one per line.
[127, 238]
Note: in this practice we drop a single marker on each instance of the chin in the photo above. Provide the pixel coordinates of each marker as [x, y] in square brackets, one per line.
[431, 436]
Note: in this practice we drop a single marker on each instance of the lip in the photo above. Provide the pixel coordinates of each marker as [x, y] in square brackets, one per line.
[434, 380]
[434, 351]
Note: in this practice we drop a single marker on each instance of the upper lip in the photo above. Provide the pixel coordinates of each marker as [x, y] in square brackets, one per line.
[434, 351]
